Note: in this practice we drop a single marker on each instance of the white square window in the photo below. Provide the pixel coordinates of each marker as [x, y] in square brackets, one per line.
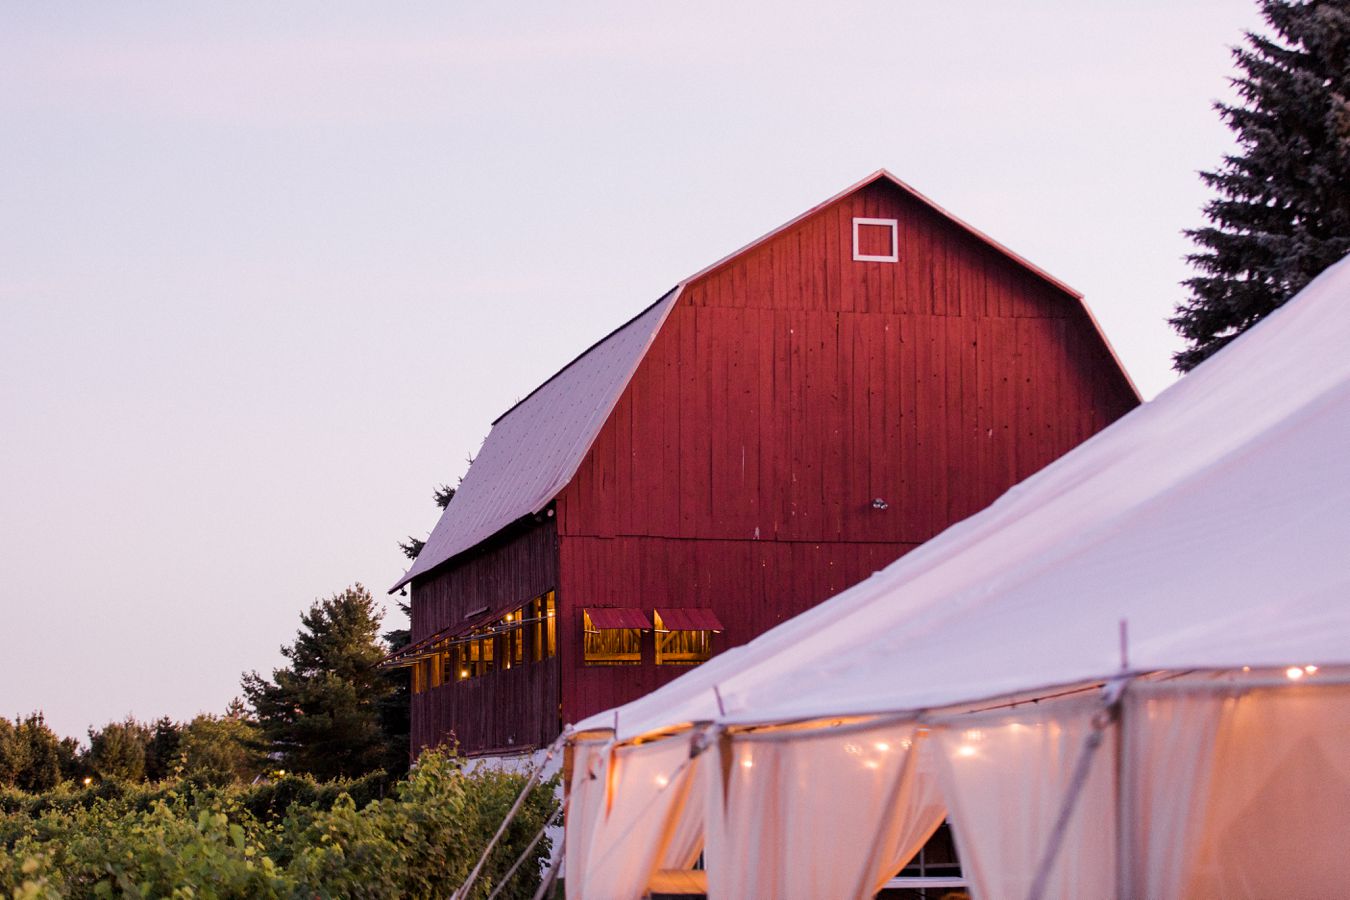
[876, 240]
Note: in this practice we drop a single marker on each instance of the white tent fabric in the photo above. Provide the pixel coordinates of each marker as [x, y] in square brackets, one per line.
[586, 796]
[1205, 530]
[1261, 811]
[1212, 520]
[1006, 776]
[686, 823]
[805, 808]
[1169, 747]
[621, 844]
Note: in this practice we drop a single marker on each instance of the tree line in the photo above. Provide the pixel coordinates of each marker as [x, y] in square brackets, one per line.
[329, 713]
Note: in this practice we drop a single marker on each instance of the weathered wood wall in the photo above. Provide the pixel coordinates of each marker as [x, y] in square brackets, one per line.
[790, 388]
[501, 711]
[505, 708]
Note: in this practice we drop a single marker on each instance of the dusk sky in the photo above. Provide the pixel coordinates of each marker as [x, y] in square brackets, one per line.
[268, 272]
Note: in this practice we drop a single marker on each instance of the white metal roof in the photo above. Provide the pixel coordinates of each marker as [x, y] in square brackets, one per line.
[533, 450]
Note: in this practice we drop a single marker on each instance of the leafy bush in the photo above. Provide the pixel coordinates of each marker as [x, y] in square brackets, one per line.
[291, 838]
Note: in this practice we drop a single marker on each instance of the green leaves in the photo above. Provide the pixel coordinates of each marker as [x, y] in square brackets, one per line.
[196, 841]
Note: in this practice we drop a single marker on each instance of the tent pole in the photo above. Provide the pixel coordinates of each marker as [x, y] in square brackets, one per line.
[1100, 722]
[1124, 872]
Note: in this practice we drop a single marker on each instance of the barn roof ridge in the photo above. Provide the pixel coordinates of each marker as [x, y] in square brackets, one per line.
[878, 175]
[576, 359]
[443, 544]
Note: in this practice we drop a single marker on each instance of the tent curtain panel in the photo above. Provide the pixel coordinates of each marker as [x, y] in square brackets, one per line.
[686, 826]
[585, 801]
[1006, 777]
[1238, 794]
[817, 814]
[632, 819]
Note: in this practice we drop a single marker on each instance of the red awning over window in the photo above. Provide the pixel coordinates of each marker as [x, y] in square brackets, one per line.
[689, 620]
[618, 618]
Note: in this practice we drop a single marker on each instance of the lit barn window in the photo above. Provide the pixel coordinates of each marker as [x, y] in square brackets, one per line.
[613, 637]
[684, 636]
[876, 240]
[542, 613]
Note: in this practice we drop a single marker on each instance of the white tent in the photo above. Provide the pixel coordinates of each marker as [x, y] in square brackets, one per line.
[1193, 559]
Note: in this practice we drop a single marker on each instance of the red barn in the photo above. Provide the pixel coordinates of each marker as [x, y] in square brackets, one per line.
[768, 433]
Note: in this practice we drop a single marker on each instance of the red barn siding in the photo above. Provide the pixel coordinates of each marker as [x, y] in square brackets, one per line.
[751, 585]
[506, 708]
[791, 386]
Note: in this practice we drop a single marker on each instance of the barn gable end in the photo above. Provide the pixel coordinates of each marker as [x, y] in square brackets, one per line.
[803, 419]
[776, 428]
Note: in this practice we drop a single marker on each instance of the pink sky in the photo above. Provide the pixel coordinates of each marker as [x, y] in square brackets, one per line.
[268, 273]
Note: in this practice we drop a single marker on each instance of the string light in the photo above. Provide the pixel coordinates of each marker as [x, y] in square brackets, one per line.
[872, 764]
[747, 763]
[882, 746]
[1310, 669]
[852, 749]
[1293, 673]
[662, 781]
[965, 750]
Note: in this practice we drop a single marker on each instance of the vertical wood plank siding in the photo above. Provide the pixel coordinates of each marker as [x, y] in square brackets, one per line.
[510, 708]
[791, 387]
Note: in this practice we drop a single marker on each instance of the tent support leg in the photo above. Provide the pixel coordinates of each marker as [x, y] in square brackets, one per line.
[1081, 769]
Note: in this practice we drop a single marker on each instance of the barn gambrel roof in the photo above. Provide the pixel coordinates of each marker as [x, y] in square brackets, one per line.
[535, 447]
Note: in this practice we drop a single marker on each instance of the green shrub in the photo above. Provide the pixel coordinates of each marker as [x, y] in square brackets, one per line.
[290, 838]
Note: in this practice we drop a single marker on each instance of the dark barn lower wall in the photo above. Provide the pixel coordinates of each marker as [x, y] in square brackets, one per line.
[750, 585]
[508, 708]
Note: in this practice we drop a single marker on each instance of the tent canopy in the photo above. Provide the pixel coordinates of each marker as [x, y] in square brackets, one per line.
[1212, 522]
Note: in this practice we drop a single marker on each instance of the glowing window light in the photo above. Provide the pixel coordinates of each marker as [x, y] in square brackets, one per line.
[1293, 673]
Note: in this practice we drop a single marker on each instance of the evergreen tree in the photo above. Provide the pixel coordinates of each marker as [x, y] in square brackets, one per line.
[441, 496]
[395, 712]
[162, 750]
[222, 749]
[72, 760]
[117, 751]
[396, 708]
[1282, 213]
[30, 753]
[321, 714]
